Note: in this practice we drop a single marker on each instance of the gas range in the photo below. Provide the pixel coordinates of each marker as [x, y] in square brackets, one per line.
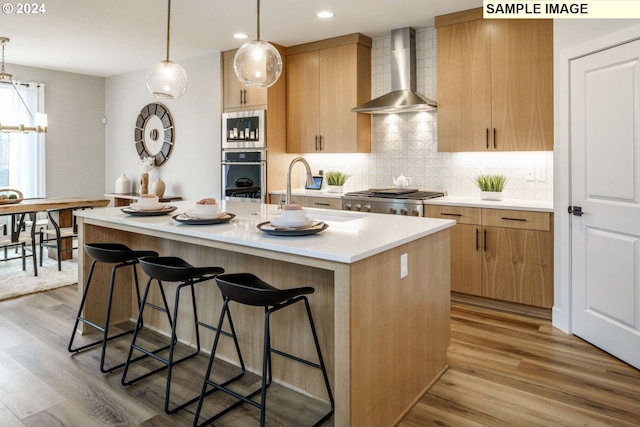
[394, 201]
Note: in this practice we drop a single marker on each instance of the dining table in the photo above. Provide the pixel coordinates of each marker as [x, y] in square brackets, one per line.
[62, 208]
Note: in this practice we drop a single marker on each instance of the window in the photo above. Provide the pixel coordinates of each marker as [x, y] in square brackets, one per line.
[22, 164]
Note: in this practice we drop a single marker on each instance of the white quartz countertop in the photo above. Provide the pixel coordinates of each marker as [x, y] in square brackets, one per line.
[350, 237]
[522, 205]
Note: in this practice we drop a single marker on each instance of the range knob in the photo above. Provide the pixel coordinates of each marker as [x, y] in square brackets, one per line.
[357, 207]
[403, 211]
[367, 208]
[347, 206]
[392, 211]
[415, 212]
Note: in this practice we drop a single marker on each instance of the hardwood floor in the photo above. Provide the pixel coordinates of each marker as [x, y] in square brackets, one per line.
[506, 370]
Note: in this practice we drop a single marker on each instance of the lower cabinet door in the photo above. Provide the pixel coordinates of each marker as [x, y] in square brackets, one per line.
[517, 266]
[466, 259]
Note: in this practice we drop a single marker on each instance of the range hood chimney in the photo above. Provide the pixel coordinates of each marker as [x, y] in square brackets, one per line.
[403, 97]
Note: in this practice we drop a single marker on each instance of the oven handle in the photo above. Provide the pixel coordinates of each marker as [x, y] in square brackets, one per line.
[243, 163]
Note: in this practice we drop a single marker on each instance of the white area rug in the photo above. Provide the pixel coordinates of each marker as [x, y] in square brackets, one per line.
[14, 282]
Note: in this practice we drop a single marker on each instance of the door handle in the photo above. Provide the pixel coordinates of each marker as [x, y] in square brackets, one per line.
[485, 240]
[316, 142]
[575, 210]
[494, 139]
[477, 239]
[486, 138]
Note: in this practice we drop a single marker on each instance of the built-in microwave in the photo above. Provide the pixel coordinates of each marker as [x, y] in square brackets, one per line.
[244, 129]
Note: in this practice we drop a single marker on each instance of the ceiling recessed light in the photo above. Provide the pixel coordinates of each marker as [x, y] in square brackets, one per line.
[241, 36]
[325, 15]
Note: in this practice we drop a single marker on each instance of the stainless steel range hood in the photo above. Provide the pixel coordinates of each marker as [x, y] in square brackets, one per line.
[403, 97]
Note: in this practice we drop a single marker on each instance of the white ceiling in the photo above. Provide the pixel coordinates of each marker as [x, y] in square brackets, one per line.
[110, 37]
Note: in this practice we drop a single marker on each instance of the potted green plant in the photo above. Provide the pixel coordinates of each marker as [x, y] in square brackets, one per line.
[491, 186]
[335, 181]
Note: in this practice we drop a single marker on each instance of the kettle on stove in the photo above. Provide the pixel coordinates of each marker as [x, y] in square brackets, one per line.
[402, 181]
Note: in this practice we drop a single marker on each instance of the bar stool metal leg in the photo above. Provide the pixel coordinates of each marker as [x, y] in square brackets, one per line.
[106, 253]
[247, 289]
[175, 270]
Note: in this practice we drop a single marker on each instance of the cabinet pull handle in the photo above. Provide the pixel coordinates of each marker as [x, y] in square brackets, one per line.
[245, 96]
[485, 240]
[450, 214]
[241, 97]
[486, 138]
[494, 138]
[316, 142]
[321, 204]
[321, 138]
[513, 219]
[477, 239]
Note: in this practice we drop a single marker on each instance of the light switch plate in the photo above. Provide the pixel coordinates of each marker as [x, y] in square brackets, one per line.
[404, 266]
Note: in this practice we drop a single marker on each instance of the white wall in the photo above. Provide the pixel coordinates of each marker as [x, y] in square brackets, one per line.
[74, 143]
[571, 37]
[193, 169]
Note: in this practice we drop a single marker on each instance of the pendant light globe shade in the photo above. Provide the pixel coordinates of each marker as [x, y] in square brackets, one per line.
[257, 64]
[167, 80]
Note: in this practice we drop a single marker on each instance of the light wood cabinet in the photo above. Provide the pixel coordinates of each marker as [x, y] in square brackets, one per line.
[310, 201]
[236, 96]
[501, 254]
[325, 80]
[495, 83]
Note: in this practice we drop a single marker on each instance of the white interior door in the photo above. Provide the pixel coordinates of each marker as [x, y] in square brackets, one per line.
[605, 183]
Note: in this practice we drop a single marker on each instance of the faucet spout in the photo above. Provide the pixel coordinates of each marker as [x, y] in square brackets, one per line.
[309, 176]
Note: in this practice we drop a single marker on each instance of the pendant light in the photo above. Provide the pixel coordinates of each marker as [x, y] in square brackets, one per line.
[166, 79]
[257, 63]
[40, 120]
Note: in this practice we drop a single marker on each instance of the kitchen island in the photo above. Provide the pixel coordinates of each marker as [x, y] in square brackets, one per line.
[384, 337]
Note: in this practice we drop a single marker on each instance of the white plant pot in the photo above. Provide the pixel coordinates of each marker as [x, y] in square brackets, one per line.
[334, 188]
[491, 195]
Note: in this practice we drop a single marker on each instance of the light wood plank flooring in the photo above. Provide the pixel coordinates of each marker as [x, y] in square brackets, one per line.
[506, 370]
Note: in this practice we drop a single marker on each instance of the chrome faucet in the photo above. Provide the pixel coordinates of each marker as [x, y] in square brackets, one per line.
[309, 177]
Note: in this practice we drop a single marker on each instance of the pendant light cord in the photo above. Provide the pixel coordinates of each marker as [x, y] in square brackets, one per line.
[168, 28]
[258, 25]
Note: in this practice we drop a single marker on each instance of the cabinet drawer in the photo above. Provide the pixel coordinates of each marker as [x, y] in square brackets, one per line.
[323, 202]
[516, 219]
[462, 215]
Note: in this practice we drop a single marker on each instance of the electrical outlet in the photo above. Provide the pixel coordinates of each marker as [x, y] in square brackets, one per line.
[531, 175]
[541, 174]
[404, 265]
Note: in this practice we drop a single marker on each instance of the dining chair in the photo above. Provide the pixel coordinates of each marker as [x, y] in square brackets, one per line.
[54, 236]
[15, 239]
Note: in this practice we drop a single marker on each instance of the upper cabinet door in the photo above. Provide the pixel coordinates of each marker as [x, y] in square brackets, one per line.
[495, 84]
[303, 95]
[235, 95]
[522, 84]
[464, 86]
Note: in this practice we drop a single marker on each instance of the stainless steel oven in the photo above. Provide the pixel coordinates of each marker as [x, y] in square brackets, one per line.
[244, 175]
[244, 129]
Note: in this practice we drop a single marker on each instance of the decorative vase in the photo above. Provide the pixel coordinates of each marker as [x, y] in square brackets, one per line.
[334, 188]
[144, 183]
[491, 195]
[123, 185]
[158, 187]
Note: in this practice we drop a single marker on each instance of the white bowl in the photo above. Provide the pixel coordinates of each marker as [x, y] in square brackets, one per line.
[148, 201]
[147, 207]
[206, 209]
[201, 214]
[294, 215]
[281, 222]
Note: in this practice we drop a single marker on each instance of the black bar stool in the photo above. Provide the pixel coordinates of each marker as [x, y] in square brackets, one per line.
[109, 253]
[173, 269]
[245, 288]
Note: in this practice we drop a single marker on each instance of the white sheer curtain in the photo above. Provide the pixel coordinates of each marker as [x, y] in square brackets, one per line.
[22, 155]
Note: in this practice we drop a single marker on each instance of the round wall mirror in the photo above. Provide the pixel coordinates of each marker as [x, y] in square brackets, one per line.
[154, 133]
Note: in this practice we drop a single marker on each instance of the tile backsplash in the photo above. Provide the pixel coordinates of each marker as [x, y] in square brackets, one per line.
[408, 143]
